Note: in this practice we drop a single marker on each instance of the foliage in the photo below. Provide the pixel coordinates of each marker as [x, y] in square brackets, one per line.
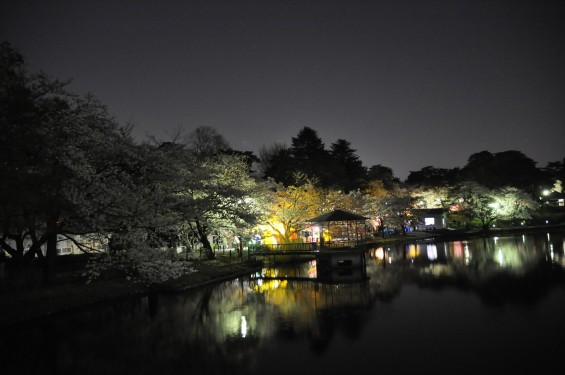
[473, 201]
[487, 206]
[332, 199]
[376, 189]
[396, 210]
[217, 192]
[337, 168]
[68, 168]
[430, 177]
[432, 197]
[139, 262]
[206, 141]
[348, 171]
[388, 207]
[383, 174]
[507, 168]
[307, 144]
[277, 163]
[555, 172]
[311, 158]
[512, 203]
[290, 207]
[493, 170]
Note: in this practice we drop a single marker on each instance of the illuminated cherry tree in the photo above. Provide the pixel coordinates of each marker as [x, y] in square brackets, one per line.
[486, 206]
[289, 208]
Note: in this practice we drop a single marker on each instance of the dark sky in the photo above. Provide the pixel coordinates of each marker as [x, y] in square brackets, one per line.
[408, 83]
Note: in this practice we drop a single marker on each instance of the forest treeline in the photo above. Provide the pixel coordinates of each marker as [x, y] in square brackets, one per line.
[70, 171]
[339, 167]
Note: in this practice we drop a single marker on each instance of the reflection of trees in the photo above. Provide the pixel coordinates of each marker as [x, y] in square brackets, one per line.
[514, 269]
[223, 328]
[348, 320]
[312, 310]
[203, 307]
[524, 289]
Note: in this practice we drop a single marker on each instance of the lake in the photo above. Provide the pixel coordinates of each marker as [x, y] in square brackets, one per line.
[490, 305]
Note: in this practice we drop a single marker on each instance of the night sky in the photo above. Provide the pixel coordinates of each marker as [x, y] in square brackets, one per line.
[408, 83]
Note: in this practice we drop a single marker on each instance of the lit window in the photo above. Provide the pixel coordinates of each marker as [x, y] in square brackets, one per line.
[429, 221]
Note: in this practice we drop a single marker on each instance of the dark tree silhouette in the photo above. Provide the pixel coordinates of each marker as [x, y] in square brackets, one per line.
[68, 168]
[555, 171]
[310, 156]
[276, 162]
[433, 177]
[507, 168]
[348, 170]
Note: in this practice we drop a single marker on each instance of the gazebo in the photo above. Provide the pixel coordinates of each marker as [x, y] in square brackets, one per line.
[344, 224]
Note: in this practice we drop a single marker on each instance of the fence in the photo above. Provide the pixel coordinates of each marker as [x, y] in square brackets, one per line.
[304, 247]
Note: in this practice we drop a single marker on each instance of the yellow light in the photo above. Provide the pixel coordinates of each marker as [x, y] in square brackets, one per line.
[380, 253]
[413, 251]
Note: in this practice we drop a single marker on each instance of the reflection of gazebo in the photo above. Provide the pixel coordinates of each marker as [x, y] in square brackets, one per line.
[343, 226]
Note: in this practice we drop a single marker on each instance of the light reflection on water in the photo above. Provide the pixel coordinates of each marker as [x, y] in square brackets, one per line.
[494, 304]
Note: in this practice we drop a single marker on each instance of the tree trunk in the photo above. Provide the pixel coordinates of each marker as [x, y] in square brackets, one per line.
[485, 229]
[382, 228]
[202, 233]
[402, 229]
[17, 254]
[51, 252]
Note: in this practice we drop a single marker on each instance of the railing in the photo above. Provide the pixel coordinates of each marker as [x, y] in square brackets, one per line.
[343, 244]
[287, 247]
[311, 247]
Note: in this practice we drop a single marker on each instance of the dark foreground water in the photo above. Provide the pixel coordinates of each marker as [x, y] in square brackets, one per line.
[480, 306]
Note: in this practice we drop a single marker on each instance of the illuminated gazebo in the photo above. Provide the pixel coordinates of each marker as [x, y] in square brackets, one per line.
[343, 226]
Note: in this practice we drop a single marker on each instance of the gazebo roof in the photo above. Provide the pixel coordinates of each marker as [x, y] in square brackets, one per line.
[338, 215]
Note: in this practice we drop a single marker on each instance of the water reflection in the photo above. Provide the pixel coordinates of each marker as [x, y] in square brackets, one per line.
[486, 304]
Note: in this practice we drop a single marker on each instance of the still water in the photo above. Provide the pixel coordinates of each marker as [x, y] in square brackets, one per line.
[494, 305]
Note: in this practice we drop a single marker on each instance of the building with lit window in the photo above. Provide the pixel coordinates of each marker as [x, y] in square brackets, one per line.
[429, 218]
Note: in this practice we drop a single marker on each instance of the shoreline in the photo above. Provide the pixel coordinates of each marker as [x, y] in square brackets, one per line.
[449, 235]
[18, 307]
